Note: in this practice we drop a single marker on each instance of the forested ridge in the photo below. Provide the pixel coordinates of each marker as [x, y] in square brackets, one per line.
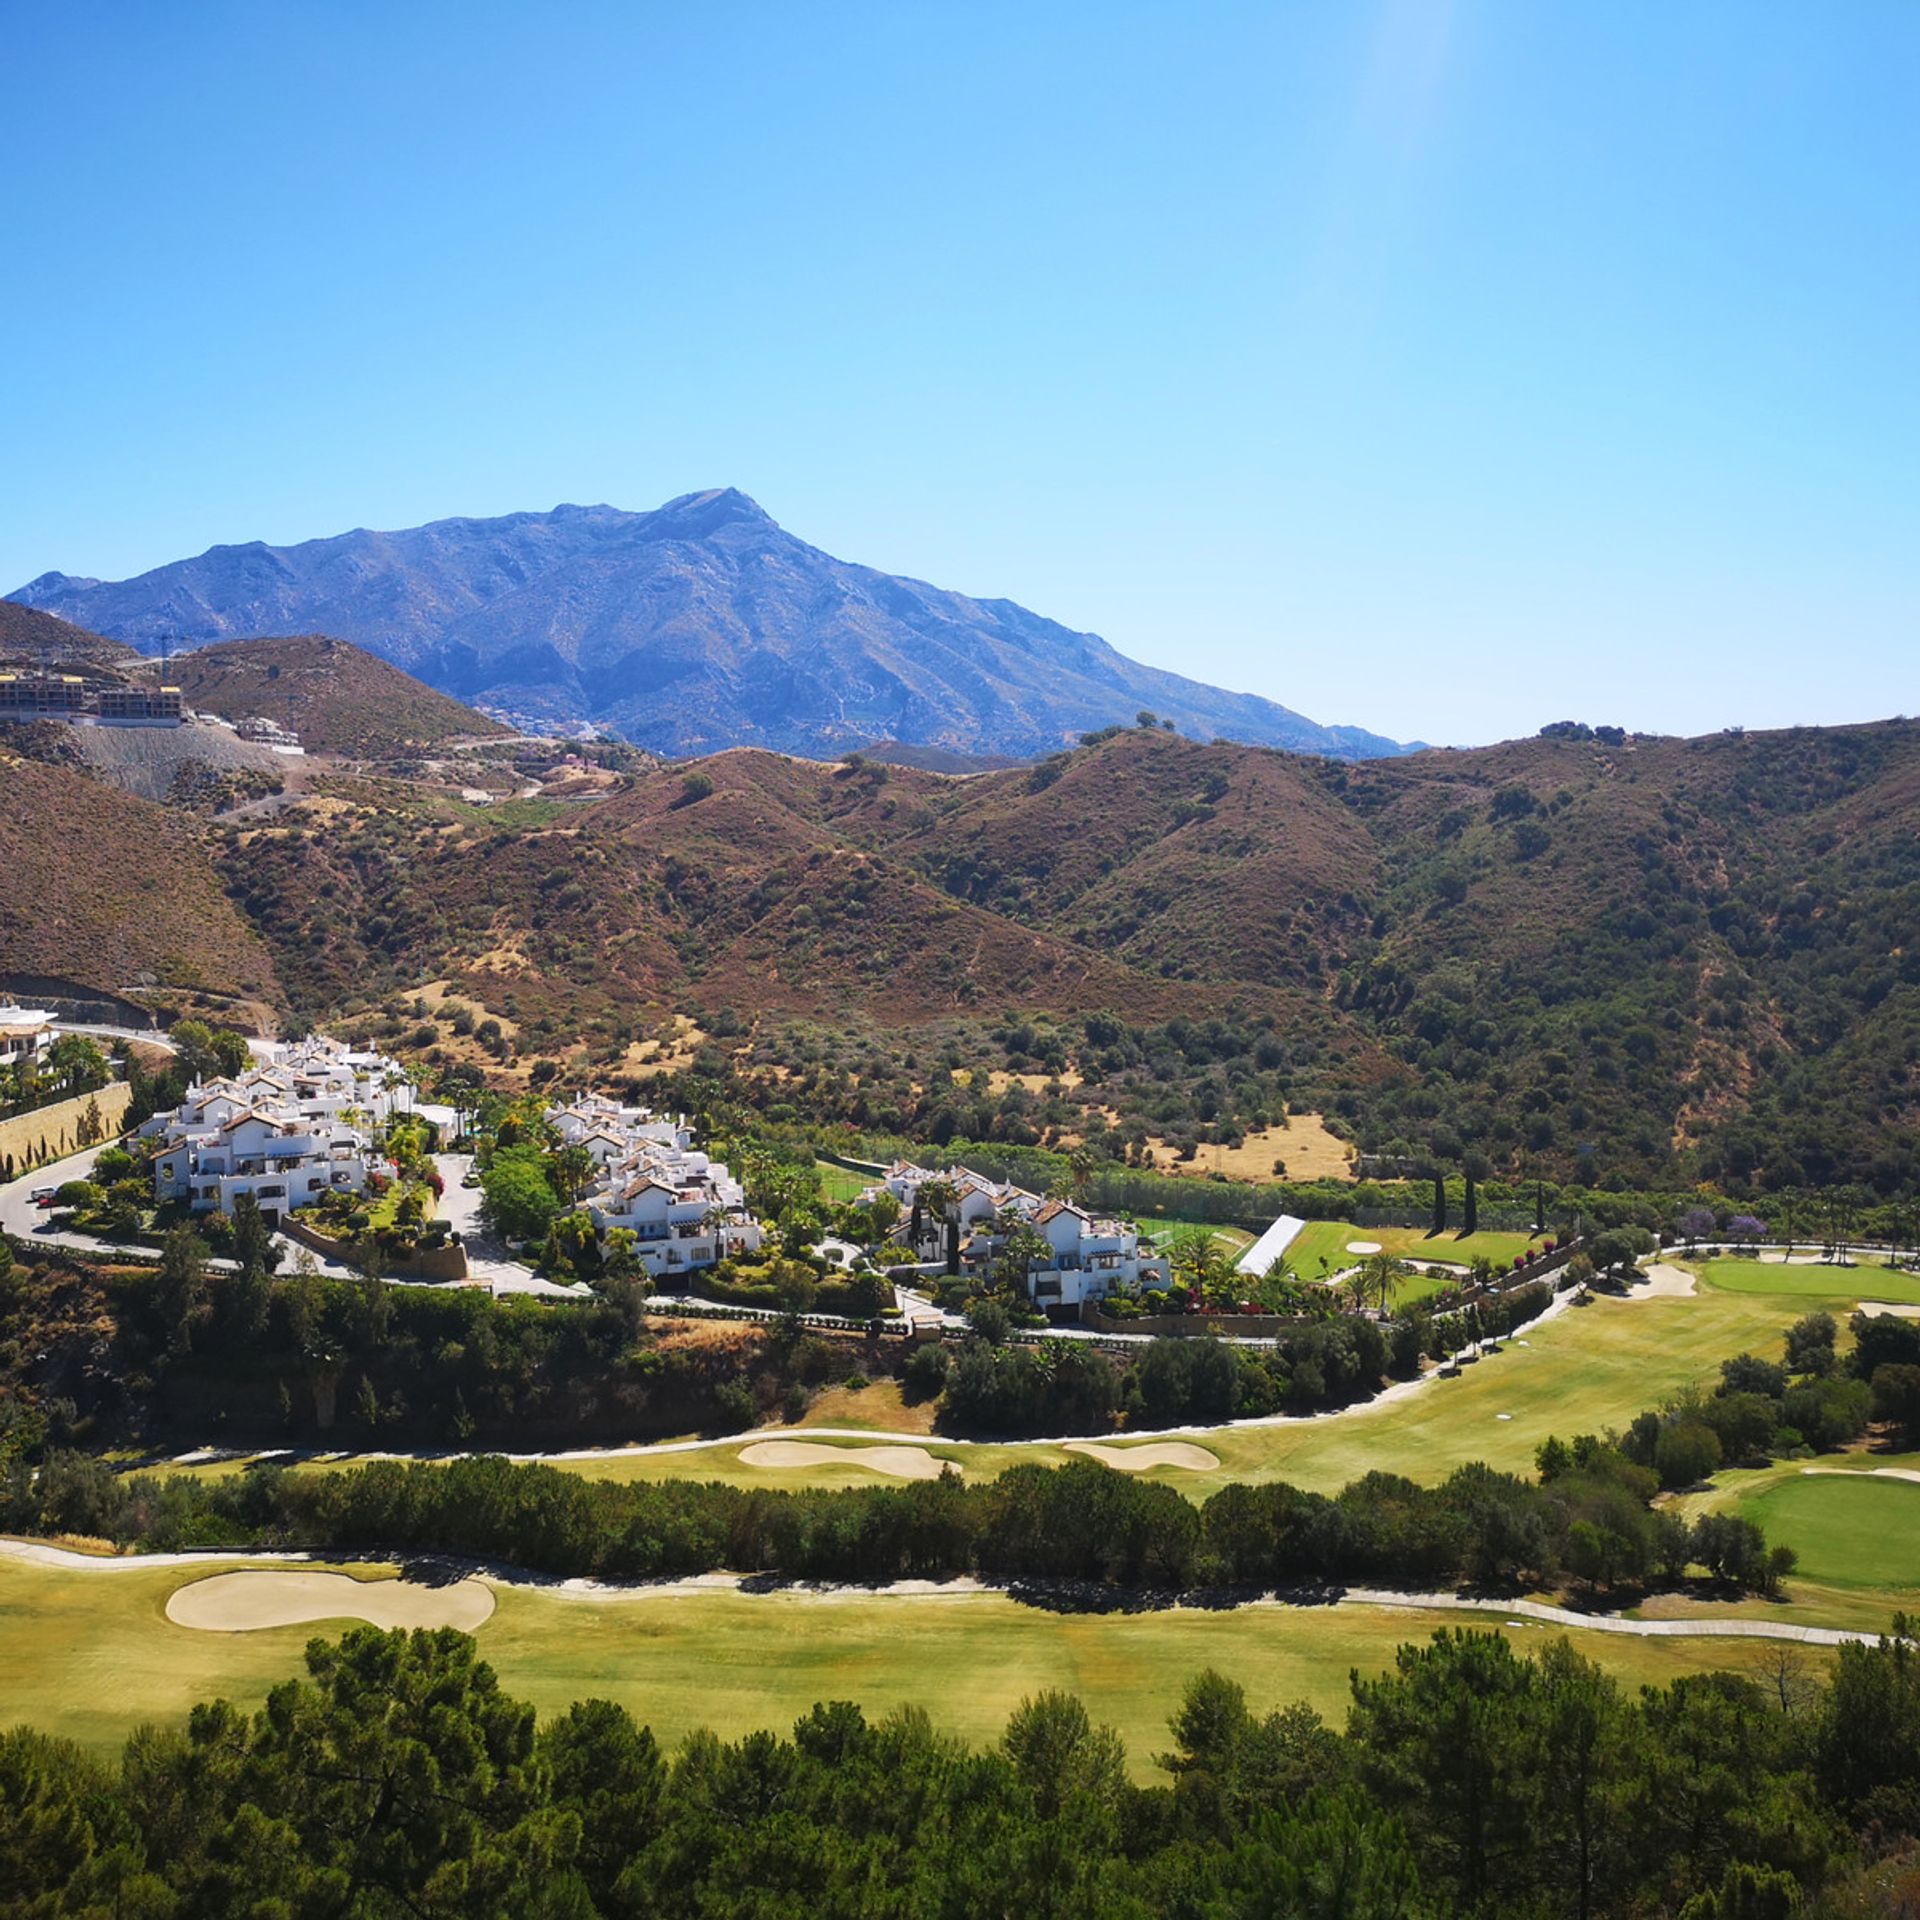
[1617, 961]
[398, 1779]
[1620, 962]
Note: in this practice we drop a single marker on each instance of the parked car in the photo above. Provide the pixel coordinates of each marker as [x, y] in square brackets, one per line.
[44, 1196]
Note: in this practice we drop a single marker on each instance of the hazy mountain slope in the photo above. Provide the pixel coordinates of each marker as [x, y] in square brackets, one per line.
[114, 892]
[338, 697]
[698, 626]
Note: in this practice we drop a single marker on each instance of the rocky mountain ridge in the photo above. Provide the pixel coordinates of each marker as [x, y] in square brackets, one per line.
[698, 626]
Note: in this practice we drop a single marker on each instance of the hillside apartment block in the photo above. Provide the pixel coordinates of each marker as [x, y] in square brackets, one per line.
[296, 1127]
[684, 1209]
[1090, 1256]
[67, 696]
[25, 1033]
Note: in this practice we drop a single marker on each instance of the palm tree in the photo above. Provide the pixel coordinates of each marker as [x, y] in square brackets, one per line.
[1378, 1278]
[940, 1200]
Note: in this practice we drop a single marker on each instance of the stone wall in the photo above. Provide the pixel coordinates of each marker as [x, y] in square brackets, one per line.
[429, 1263]
[48, 1133]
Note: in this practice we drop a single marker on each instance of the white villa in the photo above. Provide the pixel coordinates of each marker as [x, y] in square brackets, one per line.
[609, 1131]
[287, 1131]
[25, 1033]
[683, 1209]
[1091, 1256]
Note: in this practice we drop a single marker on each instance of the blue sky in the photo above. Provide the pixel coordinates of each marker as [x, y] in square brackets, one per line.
[1442, 368]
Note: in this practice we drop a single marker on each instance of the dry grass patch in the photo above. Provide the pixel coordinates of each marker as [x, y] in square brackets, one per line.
[877, 1405]
[1304, 1146]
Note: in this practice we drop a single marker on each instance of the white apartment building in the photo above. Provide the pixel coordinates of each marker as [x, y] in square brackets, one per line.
[1091, 1257]
[295, 1127]
[684, 1210]
[25, 1033]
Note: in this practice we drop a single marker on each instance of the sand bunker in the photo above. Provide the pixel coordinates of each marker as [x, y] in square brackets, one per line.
[242, 1602]
[1158, 1453]
[902, 1463]
[1872, 1308]
[1871, 1473]
[1363, 1246]
[1664, 1283]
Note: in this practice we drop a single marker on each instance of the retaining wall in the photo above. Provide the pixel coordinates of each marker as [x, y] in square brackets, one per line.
[23, 1137]
[429, 1263]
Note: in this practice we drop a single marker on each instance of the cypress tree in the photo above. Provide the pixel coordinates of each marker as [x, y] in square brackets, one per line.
[1439, 1201]
[1469, 1204]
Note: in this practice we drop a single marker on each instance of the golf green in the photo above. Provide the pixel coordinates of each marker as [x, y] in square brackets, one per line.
[1849, 1529]
[1812, 1280]
[1329, 1241]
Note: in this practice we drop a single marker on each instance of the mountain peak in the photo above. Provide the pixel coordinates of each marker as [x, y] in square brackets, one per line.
[695, 515]
[697, 626]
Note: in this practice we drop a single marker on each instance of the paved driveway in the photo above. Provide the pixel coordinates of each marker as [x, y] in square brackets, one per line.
[487, 1258]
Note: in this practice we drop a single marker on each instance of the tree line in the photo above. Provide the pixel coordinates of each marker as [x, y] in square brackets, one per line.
[1078, 1524]
[398, 1780]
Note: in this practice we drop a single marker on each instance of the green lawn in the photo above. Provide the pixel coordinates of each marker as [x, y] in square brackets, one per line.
[841, 1185]
[1853, 1571]
[91, 1655]
[1849, 1529]
[1813, 1281]
[1327, 1240]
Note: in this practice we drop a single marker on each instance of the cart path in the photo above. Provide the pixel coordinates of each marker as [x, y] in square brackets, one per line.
[701, 1586]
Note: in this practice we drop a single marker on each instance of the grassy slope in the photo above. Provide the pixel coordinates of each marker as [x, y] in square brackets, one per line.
[346, 700]
[92, 1656]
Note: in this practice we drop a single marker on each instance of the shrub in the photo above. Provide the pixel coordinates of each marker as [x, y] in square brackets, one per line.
[1687, 1451]
[925, 1373]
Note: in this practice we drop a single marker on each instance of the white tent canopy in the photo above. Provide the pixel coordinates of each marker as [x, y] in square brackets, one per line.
[1271, 1246]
